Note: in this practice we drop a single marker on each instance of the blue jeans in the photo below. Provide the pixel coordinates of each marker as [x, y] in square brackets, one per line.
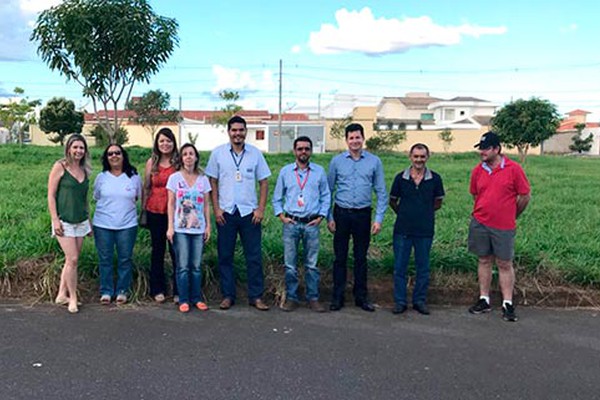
[250, 235]
[188, 250]
[292, 233]
[106, 241]
[403, 246]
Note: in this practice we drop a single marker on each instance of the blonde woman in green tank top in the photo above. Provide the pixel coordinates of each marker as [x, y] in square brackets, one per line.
[68, 185]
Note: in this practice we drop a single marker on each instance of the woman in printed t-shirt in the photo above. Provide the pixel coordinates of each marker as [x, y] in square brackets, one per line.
[163, 163]
[189, 226]
[116, 190]
[68, 185]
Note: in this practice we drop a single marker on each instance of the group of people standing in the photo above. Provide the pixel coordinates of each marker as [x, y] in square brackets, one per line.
[175, 200]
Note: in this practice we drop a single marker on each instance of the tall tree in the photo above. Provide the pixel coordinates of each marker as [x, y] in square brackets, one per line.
[106, 46]
[579, 143]
[337, 130]
[229, 110]
[526, 123]
[59, 119]
[16, 116]
[152, 110]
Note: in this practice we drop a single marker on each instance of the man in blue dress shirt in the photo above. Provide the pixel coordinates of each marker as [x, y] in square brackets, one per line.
[233, 170]
[353, 176]
[301, 200]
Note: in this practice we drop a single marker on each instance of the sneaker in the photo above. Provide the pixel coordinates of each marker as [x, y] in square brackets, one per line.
[201, 306]
[122, 299]
[289, 305]
[508, 313]
[184, 308]
[480, 307]
[105, 299]
[159, 298]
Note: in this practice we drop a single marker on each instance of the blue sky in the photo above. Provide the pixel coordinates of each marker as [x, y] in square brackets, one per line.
[494, 50]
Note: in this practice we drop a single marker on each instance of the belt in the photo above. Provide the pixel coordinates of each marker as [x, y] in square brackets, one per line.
[304, 220]
[354, 210]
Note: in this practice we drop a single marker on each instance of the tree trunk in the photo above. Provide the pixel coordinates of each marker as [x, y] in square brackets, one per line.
[523, 149]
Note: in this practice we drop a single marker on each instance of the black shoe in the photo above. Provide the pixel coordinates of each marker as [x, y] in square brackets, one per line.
[399, 309]
[365, 305]
[508, 313]
[421, 308]
[480, 307]
[336, 306]
[289, 305]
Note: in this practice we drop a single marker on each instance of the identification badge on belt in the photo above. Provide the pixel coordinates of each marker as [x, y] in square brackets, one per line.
[238, 176]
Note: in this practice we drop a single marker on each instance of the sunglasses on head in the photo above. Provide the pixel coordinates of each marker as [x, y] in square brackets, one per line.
[114, 153]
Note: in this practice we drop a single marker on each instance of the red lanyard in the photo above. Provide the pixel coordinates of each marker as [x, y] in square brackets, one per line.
[302, 184]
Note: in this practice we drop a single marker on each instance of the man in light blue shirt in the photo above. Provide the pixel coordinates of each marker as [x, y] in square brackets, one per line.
[353, 177]
[301, 200]
[233, 170]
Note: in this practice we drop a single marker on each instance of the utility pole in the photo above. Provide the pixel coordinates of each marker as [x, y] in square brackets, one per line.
[180, 119]
[279, 128]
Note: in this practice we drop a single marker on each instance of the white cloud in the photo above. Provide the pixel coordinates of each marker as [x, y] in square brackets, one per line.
[296, 49]
[360, 31]
[241, 81]
[17, 18]
[568, 28]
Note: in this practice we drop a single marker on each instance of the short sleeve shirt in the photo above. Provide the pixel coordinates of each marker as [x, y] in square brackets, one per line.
[189, 203]
[416, 213]
[237, 175]
[116, 198]
[496, 192]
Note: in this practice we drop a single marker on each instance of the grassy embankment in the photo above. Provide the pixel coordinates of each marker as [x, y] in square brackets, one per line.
[558, 235]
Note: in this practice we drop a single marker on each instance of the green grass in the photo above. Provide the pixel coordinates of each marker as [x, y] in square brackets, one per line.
[558, 232]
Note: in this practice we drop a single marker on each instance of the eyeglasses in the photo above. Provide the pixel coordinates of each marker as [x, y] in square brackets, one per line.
[303, 149]
[113, 153]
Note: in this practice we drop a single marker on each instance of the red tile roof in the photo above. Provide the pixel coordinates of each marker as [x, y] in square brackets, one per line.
[578, 112]
[569, 125]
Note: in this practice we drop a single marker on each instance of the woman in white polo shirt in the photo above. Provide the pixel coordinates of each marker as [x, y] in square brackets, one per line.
[116, 191]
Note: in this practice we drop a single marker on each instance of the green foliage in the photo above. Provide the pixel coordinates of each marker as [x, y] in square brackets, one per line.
[579, 143]
[16, 116]
[152, 110]
[103, 138]
[446, 137]
[526, 123]
[59, 119]
[385, 140]
[192, 138]
[229, 110]
[338, 128]
[106, 46]
[544, 242]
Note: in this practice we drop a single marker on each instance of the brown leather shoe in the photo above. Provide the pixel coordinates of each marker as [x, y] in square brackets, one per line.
[259, 305]
[289, 305]
[316, 306]
[226, 304]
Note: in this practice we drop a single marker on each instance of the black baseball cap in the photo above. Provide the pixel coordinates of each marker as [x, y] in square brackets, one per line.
[488, 139]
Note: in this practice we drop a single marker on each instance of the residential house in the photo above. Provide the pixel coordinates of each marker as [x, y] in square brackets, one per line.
[560, 142]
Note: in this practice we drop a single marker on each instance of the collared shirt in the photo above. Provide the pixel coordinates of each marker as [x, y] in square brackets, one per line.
[496, 192]
[232, 192]
[353, 181]
[416, 213]
[116, 198]
[313, 199]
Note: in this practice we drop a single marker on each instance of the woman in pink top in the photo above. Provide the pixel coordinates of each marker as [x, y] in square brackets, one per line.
[163, 163]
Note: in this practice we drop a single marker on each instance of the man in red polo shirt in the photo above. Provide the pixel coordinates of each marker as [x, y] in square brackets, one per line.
[501, 193]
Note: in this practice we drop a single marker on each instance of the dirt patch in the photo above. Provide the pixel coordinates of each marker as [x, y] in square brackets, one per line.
[36, 280]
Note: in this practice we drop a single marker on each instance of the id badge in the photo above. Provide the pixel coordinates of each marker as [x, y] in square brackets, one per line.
[300, 200]
[238, 176]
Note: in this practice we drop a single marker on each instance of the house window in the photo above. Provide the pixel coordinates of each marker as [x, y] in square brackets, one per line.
[427, 117]
[462, 113]
[260, 135]
[449, 114]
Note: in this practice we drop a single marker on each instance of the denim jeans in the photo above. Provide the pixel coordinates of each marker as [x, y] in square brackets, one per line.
[250, 235]
[403, 246]
[106, 241]
[355, 224]
[292, 234]
[158, 224]
[188, 250]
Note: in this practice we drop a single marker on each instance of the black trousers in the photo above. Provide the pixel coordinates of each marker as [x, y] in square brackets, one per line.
[158, 225]
[355, 223]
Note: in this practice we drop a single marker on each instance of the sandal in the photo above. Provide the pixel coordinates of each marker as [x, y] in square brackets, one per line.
[184, 308]
[201, 306]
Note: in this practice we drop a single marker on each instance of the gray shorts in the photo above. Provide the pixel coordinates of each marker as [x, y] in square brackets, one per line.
[486, 241]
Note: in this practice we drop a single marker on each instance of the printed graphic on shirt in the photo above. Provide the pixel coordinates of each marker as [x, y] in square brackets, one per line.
[190, 207]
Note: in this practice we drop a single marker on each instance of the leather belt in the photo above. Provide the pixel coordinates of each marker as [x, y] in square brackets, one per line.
[304, 220]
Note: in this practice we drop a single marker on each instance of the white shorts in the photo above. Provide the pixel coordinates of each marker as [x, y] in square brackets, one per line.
[80, 229]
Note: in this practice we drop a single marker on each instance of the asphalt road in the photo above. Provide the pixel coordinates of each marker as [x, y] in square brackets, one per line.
[154, 352]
